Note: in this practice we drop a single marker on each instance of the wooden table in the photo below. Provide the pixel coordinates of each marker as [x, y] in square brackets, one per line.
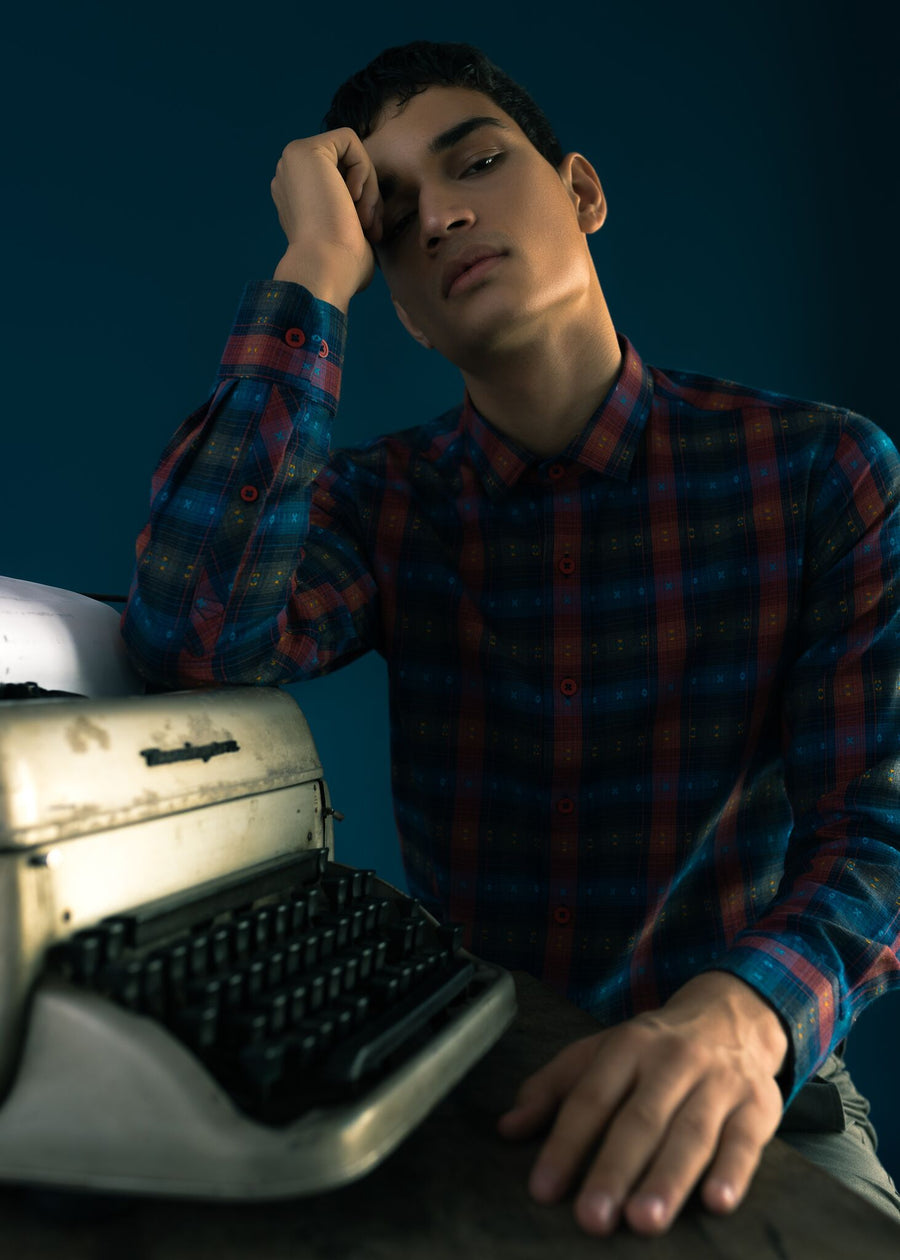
[456, 1191]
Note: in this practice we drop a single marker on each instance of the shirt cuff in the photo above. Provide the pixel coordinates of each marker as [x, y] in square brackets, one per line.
[283, 334]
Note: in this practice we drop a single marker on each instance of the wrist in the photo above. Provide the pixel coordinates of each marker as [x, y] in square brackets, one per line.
[297, 267]
[740, 1009]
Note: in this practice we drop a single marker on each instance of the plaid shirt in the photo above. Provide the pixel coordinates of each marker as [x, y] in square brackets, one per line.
[644, 694]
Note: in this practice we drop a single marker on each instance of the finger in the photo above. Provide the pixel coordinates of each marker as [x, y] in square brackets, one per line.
[744, 1136]
[375, 230]
[635, 1135]
[369, 204]
[582, 1118]
[367, 195]
[686, 1150]
[356, 167]
[540, 1094]
[355, 178]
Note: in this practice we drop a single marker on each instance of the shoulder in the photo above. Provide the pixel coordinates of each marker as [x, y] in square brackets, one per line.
[824, 429]
[695, 391]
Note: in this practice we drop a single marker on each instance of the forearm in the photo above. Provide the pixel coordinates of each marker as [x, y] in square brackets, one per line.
[827, 943]
[231, 497]
[297, 267]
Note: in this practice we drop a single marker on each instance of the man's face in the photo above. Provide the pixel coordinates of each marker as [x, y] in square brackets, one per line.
[456, 185]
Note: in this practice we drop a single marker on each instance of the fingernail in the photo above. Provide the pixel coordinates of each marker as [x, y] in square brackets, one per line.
[651, 1206]
[724, 1191]
[600, 1208]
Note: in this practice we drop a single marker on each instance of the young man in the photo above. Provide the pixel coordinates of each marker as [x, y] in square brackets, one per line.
[639, 629]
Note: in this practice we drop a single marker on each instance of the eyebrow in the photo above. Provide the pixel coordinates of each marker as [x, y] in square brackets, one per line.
[387, 183]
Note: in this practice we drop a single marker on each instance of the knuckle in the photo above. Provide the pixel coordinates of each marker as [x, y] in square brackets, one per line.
[645, 1114]
[769, 1095]
[743, 1141]
[680, 1058]
[698, 1126]
[647, 1035]
[762, 1106]
[757, 1096]
[589, 1091]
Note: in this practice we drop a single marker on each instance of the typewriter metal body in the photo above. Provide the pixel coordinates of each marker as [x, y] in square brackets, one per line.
[143, 827]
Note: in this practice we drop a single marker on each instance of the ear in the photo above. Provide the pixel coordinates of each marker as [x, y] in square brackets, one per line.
[582, 183]
[410, 327]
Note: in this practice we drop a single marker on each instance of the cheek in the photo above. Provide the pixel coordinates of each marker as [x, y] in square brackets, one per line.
[554, 224]
[418, 310]
[406, 288]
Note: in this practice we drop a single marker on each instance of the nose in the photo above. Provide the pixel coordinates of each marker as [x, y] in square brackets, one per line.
[440, 214]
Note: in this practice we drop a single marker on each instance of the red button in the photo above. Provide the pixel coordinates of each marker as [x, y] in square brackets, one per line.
[249, 493]
[567, 565]
[323, 350]
[556, 471]
[295, 337]
[565, 805]
[562, 914]
[568, 686]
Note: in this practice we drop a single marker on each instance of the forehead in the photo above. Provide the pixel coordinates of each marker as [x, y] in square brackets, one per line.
[406, 137]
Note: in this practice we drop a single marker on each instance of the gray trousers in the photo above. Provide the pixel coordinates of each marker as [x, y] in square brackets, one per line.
[828, 1123]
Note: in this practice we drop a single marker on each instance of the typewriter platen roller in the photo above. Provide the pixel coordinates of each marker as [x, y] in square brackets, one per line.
[195, 998]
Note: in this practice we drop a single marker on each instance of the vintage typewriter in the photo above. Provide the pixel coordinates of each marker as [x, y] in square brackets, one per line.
[196, 999]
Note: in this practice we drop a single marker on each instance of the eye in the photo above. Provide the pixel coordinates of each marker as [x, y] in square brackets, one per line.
[485, 163]
[400, 226]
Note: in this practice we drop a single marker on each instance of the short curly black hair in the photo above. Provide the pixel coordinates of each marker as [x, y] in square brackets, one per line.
[402, 72]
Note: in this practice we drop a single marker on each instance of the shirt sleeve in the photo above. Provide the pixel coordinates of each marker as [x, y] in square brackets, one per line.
[219, 594]
[828, 944]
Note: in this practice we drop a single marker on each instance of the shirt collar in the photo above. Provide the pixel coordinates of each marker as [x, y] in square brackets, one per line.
[606, 444]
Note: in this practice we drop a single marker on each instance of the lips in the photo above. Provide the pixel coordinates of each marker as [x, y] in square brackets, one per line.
[463, 261]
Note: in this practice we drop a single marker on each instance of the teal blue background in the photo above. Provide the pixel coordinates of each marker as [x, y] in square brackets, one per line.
[748, 154]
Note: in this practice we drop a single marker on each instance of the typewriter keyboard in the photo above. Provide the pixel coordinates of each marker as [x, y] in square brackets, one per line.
[298, 984]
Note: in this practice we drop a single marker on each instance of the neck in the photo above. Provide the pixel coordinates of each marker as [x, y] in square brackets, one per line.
[543, 394]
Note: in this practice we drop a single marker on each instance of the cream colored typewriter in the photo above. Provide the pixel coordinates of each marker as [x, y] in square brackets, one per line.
[195, 998]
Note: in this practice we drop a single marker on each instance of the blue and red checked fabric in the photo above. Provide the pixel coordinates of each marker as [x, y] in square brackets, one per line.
[644, 694]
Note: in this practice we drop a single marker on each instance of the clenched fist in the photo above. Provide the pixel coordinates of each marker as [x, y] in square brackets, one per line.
[329, 206]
